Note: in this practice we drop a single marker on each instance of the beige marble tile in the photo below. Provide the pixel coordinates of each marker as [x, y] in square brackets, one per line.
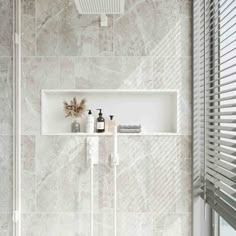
[62, 31]
[128, 38]
[38, 224]
[74, 187]
[106, 73]
[6, 170]
[163, 181]
[61, 224]
[28, 28]
[63, 174]
[6, 19]
[28, 152]
[47, 194]
[74, 224]
[186, 8]
[28, 7]
[28, 36]
[186, 35]
[132, 178]
[144, 26]
[185, 101]
[134, 224]
[105, 39]
[167, 72]
[46, 10]
[63, 177]
[184, 192]
[28, 178]
[147, 175]
[103, 224]
[37, 73]
[172, 224]
[28, 201]
[61, 151]
[158, 233]
[92, 72]
[185, 146]
[6, 224]
[47, 39]
[6, 99]
[176, 225]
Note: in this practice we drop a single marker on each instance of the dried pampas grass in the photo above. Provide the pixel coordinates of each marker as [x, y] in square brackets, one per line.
[75, 109]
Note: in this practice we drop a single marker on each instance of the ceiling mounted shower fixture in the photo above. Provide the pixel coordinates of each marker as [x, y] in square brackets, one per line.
[101, 7]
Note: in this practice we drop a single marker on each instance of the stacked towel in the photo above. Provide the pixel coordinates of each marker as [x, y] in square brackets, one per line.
[129, 128]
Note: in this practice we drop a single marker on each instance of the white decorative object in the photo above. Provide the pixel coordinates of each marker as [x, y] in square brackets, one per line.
[89, 124]
[114, 154]
[93, 150]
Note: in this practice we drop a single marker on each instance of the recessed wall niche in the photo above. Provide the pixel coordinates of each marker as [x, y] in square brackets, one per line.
[155, 110]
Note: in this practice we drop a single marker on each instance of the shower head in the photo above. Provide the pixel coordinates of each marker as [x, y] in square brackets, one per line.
[101, 7]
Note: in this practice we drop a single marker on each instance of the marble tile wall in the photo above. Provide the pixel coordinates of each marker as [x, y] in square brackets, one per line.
[6, 155]
[149, 47]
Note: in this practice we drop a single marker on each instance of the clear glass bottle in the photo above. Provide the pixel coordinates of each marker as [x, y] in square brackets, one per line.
[75, 126]
[111, 124]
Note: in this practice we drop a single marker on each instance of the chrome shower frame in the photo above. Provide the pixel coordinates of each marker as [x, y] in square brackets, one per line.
[16, 42]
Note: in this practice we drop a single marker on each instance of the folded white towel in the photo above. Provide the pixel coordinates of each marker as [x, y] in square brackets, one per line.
[129, 130]
[129, 126]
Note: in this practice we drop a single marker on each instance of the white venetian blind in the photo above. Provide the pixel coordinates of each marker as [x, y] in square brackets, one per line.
[214, 68]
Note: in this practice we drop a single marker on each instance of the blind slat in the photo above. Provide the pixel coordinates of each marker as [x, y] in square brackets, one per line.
[230, 121]
[221, 149]
[221, 173]
[222, 157]
[225, 128]
[222, 164]
[219, 177]
[220, 185]
[218, 201]
[222, 99]
[224, 143]
[222, 84]
[221, 194]
[222, 106]
[219, 208]
[226, 113]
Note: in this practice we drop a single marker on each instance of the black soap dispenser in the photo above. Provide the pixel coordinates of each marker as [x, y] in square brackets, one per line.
[100, 122]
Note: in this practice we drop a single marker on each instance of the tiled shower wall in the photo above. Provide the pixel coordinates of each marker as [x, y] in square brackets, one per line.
[6, 164]
[149, 47]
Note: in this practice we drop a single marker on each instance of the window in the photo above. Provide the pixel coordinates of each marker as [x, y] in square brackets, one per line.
[214, 75]
[226, 229]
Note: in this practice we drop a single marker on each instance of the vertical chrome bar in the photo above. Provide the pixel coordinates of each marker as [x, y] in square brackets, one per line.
[92, 198]
[204, 111]
[115, 162]
[93, 159]
[13, 114]
[16, 118]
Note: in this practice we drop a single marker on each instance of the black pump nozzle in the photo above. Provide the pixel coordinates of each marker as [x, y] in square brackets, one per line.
[100, 112]
[89, 112]
[111, 117]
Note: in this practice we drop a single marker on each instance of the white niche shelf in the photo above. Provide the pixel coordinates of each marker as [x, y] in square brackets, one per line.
[155, 110]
